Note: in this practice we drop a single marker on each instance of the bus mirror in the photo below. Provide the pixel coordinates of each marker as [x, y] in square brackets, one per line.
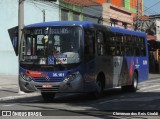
[13, 33]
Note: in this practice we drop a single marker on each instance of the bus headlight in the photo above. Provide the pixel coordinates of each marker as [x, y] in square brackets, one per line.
[71, 77]
[25, 77]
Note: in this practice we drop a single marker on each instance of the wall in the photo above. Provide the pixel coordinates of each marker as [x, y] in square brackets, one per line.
[130, 5]
[118, 3]
[71, 9]
[158, 29]
[106, 14]
[101, 1]
[127, 4]
[94, 11]
[9, 19]
[119, 14]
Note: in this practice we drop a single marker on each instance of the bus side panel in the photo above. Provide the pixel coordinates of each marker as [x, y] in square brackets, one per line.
[139, 64]
[124, 73]
[142, 66]
[127, 70]
[129, 63]
[89, 76]
[104, 64]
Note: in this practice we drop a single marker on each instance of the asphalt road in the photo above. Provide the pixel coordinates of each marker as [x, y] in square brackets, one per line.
[146, 99]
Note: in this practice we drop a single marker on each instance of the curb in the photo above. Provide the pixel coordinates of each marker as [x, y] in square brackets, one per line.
[19, 96]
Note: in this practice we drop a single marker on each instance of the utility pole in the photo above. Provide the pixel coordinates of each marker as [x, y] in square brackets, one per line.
[44, 15]
[20, 21]
[20, 27]
[138, 15]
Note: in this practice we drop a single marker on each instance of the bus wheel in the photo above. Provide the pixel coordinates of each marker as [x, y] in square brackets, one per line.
[133, 87]
[99, 89]
[48, 96]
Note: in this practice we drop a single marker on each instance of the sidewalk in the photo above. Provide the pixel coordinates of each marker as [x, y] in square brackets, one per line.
[9, 87]
[153, 76]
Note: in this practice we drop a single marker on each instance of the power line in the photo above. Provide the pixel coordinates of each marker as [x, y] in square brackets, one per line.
[152, 6]
[91, 8]
[66, 8]
[150, 11]
[41, 7]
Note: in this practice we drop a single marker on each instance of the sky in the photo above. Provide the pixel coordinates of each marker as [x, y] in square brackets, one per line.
[151, 10]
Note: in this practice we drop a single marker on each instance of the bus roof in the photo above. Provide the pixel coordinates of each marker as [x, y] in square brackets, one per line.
[86, 24]
[62, 23]
[125, 31]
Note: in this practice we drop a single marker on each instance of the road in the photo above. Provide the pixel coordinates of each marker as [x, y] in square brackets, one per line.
[83, 106]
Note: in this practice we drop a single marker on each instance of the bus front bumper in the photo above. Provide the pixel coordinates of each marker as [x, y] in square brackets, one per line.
[75, 86]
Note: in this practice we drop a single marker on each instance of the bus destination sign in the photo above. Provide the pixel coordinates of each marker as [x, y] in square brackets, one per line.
[41, 31]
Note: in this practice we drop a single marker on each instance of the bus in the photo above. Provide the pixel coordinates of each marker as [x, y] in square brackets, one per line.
[80, 57]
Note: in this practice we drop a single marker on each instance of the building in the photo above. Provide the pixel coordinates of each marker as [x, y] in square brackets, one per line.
[151, 25]
[96, 11]
[87, 10]
[9, 19]
[117, 16]
[131, 5]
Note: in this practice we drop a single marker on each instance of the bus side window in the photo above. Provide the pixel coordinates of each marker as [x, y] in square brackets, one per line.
[100, 43]
[128, 51]
[118, 51]
[122, 50]
[143, 48]
[89, 45]
[28, 47]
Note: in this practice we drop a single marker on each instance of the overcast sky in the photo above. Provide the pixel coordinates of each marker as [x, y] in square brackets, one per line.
[149, 10]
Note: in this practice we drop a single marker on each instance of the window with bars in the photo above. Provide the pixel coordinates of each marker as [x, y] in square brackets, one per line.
[76, 16]
[64, 15]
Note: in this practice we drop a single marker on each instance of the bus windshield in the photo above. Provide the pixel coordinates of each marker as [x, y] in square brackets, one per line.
[52, 45]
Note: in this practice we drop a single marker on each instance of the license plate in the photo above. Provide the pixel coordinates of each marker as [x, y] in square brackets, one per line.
[47, 86]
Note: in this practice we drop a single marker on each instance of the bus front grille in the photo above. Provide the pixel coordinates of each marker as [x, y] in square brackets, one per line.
[50, 80]
[54, 88]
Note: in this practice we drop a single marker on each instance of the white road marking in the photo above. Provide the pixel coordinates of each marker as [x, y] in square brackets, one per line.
[9, 105]
[149, 87]
[151, 80]
[157, 89]
[147, 99]
[31, 101]
[108, 101]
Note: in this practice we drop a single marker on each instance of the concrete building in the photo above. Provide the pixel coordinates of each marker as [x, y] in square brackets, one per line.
[151, 25]
[9, 19]
[87, 10]
[130, 5]
[90, 10]
[117, 16]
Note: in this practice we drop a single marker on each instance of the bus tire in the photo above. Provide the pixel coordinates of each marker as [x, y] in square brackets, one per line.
[48, 96]
[133, 86]
[99, 89]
